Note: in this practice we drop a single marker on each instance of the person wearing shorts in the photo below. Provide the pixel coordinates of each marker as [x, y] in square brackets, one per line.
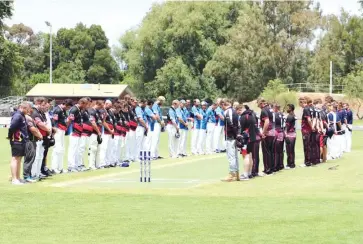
[18, 136]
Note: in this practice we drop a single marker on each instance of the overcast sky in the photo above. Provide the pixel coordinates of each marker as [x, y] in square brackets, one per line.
[115, 16]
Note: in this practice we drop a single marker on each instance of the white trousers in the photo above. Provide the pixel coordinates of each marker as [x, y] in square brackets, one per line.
[344, 139]
[201, 141]
[58, 150]
[182, 149]
[73, 151]
[155, 140]
[219, 142]
[123, 148]
[39, 153]
[209, 147]
[106, 150]
[173, 142]
[232, 155]
[131, 146]
[195, 135]
[94, 152]
[340, 144]
[348, 137]
[140, 137]
[82, 148]
[333, 147]
[116, 149]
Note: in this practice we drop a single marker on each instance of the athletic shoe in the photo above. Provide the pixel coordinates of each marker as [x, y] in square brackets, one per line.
[244, 178]
[304, 166]
[287, 168]
[159, 157]
[251, 176]
[17, 182]
[261, 174]
[30, 180]
[223, 151]
[56, 172]
[72, 170]
[125, 165]
[217, 151]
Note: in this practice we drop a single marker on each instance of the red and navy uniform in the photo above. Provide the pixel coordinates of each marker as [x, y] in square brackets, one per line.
[268, 142]
[39, 117]
[59, 118]
[126, 121]
[95, 116]
[132, 119]
[75, 116]
[87, 128]
[306, 133]
[290, 139]
[118, 125]
[110, 120]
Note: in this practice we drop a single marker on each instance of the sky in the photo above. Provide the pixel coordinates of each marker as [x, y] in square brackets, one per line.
[115, 16]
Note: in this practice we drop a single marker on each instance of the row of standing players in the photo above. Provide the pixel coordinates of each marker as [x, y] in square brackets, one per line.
[326, 133]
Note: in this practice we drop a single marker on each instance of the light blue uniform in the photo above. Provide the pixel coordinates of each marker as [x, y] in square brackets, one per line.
[157, 110]
[219, 111]
[150, 121]
[140, 113]
[197, 122]
[204, 121]
[173, 115]
[211, 117]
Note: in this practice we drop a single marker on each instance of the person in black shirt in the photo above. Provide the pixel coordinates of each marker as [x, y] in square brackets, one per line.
[279, 140]
[96, 120]
[75, 120]
[18, 137]
[107, 137]
[87, 130]
[59, 121]
[250, 131]
[268, 136]
[290, 136]
[231, 132]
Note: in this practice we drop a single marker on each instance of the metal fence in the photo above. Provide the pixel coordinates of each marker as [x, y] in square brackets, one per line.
[315, 87]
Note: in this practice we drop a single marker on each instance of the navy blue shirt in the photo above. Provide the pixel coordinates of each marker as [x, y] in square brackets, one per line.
[349, 117]
[18, 130]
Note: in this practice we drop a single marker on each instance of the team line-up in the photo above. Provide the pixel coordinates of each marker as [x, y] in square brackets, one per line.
[115, 133]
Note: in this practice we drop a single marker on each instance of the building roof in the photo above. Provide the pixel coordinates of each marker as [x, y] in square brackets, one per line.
[79, 90]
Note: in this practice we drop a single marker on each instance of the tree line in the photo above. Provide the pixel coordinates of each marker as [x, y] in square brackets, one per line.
[195, 49]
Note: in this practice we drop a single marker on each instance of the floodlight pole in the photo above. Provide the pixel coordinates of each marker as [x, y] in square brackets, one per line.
[331, 79]
[50, 52]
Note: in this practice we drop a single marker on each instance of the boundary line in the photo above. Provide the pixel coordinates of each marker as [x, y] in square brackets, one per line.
[94, 178]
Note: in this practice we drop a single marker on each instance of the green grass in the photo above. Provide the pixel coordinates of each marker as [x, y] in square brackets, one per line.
[310, 205]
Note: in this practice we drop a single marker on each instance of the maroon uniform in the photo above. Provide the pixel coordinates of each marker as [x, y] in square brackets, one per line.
[290, 140]
[268, 142]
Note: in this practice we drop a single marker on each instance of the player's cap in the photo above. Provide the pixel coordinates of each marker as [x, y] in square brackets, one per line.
[183, 101]
[204, 103]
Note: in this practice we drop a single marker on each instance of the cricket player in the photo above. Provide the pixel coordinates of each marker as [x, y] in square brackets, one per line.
[18, 137]
[60, 123]
[173, 129]
[197, 117]
[87, 130]
[203, 130]
[96, 118]
[323, 135]
[131, 151]
[211, 124]
[268, 136]
[159, 125]
[279, 139]
[46, 140]
[249, 128]
[142, 129]
[219, 137]
[232, 129]
[306, 129]
[109, 131]
[349, 127]
[40, 121]
[125, 124]
[316, 131]
[183, 115]
[151, 121]
[332, 143]
[343, 119]
[290, 136]
[75, 119]
[30, 146]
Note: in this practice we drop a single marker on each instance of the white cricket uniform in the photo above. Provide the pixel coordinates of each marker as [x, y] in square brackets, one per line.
[219, 142]
[211, 124]
[155, 135]
[173, 142]
[195, 130]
